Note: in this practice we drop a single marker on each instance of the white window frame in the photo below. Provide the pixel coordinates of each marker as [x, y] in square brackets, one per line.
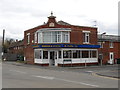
[101, 44]
[86, 38]
[28, 38]
[59, 40]
[36, 37]
[111, 44]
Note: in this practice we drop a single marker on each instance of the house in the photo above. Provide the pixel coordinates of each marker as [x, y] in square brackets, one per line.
[109, 50]
[60, 43]
[16, 50]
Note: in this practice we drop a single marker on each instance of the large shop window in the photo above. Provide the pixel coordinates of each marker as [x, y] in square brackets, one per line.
[76, 54]
[85, 54]
[67, 54]
[94, 54]
[59, 54]
[38, 54]
[45, 54]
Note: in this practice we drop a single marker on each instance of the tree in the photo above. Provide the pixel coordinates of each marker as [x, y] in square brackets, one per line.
[7, 43]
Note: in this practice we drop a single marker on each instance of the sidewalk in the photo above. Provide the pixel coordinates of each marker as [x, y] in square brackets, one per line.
[113, 74]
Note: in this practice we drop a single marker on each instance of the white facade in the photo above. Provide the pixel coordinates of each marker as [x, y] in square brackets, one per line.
[58, 56]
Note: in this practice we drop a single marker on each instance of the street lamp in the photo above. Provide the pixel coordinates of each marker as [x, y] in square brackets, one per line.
[102, 47]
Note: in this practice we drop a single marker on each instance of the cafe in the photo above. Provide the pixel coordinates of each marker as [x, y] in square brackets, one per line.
[61, 44]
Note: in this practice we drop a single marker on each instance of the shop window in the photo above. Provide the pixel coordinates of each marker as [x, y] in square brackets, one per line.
[76, 54]
[85, 54]
[94, 54]
[40, 54]
[67, 54]
[59, 54]
[37, 54]
[45, 54]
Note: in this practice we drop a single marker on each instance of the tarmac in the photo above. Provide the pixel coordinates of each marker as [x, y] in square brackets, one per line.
[113, 73]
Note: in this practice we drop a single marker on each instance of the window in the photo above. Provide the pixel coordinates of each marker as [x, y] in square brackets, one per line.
[65, 36]
[58, 36]
[101, 44]
[67, 54]
[40, 40]
[28, 38]
[76, 54]
[40, 54]
[37, 54]
[36, 35]
[53, 37]
[93, 54]
[86, 38]
[46, 37]
[59, 54]
[85, 54]
[111, 44]
[45, 54]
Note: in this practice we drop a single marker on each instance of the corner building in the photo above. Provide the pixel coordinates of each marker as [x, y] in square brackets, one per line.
[61, 44]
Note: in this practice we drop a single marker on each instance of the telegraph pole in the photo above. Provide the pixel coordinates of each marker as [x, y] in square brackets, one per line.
[3, 43]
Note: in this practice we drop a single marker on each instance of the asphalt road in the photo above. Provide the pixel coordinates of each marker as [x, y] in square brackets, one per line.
[28, 76]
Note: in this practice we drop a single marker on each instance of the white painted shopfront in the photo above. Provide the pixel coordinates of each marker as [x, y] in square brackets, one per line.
[56, 56]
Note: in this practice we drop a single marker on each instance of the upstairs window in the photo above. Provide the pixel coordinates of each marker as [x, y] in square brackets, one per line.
[86, 37]
[101, 44]
[111, 44]
[28, 38]
[53, 37]
[36, 35]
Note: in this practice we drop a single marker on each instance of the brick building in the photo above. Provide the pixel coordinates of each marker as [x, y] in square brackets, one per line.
[59, 43]
[17, 48]
[110, 48]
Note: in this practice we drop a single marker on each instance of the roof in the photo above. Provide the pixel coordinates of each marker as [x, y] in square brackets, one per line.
[17, 43]
[63, 23]
[115, 38]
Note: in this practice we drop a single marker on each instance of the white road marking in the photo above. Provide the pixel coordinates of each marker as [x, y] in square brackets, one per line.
[89, 71]
[77, 82]
[53, 78]
[18, 71]
[45, 77]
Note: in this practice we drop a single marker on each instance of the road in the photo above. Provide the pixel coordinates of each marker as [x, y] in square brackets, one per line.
[28, 76]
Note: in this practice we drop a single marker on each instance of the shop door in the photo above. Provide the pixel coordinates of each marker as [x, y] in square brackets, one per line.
[111, 57]
[52, 58]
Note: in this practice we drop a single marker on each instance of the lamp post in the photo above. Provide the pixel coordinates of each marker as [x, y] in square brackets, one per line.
[101, 61]
[3, 43]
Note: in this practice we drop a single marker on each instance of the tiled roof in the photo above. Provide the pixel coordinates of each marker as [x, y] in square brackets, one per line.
[63, 23]
[108, 38]
[18, 43]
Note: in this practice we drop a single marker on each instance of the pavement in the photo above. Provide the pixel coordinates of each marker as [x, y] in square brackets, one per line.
[110, 72]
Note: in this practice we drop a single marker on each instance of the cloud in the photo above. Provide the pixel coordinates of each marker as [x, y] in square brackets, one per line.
[19, 15]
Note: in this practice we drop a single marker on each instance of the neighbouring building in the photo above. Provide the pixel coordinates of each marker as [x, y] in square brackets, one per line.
[109, 50]
[16, 51]
[59, 43]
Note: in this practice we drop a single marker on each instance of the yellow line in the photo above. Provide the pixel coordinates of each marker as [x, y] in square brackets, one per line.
[104, 76]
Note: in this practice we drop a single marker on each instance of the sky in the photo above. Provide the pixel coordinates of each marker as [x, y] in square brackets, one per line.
[16, 16]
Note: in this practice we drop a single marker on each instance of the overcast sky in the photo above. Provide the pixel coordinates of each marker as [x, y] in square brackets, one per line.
[16, 16]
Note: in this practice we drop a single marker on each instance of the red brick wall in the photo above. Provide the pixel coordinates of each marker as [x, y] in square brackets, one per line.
[76, 37]
[106, 51]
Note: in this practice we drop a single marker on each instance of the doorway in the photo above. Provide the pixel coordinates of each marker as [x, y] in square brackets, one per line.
[111, 57]
[52, 58]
